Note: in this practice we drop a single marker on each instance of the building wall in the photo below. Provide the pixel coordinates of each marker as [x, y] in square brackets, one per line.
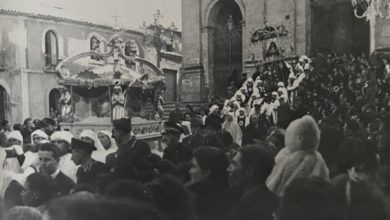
[22, 48]
[382, 33]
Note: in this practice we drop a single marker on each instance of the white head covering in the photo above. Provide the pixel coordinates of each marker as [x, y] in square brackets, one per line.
[62, 135]
[113, 146]
[15, 135]
[213, 108]
[280, 84]
[100, 153]
[40, 133]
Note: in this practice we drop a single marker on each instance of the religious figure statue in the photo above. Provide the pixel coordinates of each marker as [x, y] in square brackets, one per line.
[160, 103]
[66, 104]
[118, 103]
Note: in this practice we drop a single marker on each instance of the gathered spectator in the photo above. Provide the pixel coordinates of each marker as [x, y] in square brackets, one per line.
[170, 196]
[128, 189]
[275, 138]
[89, 170]
[310, 198]
[62, 140]
[195, 140]
[209, 183]
[49, 157]
[252, 132]
[300, 157]
[361, 198]
[27, 130]
[38, 190]
[81, 207]
[91, 137]
[175, 151]
[129, 150]
[330, 142]
[176, 116]
[357, 153]
[5, 126]
[50, 126]
[23, 213]
[248, 172]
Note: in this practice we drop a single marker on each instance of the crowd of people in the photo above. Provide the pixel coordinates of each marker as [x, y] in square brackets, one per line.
[309, 140]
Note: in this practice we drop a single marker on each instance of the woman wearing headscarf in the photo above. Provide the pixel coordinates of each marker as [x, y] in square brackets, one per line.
[37, 137]
[14, 152]
[105, 138]
[230, 125]
[299, 158]
[63, 140]
[90, 136]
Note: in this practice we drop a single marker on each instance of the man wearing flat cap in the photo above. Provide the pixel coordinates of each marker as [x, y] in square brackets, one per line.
[175, 151]
[130, 150]
[89, 169]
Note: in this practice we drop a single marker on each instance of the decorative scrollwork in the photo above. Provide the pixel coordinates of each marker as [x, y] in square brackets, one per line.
[268, 32]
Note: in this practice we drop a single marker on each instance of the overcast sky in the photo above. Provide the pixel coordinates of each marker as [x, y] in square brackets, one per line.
[132, 12]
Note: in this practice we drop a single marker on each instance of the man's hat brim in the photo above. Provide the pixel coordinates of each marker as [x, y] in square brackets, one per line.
[79, 144]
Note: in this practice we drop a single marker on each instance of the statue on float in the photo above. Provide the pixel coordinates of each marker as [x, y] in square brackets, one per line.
[118, 103]
[66, 104]
[159, 104]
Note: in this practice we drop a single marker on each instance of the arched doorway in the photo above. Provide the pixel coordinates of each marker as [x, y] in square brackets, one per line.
[54, 105]
[225, 44]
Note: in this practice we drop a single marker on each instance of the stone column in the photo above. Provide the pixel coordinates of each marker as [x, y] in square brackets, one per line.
[192, 78]
[25, 96]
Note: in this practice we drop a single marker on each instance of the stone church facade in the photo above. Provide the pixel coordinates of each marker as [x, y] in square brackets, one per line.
[221, 37]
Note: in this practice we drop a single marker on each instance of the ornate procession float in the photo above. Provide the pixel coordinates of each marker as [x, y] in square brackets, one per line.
[98, 87]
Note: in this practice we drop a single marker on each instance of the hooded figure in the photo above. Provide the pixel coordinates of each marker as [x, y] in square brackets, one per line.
[227, 106]
[39, 136]
[100, 153]
[213, 108]
[13, 151]
[241, 118]
[66, 165]
[300, 157]
[106, 136]
[230, 125]
[248, 85]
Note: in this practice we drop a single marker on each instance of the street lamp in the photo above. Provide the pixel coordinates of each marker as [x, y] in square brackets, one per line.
[230, 23]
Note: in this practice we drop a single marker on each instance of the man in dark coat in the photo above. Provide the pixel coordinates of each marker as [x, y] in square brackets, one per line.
[89, 169]
[130, 150]
[27, 130]
[194, 141]
[175, 152]
[252, 132]
[248, 172]
[49, 156]
[176, 116]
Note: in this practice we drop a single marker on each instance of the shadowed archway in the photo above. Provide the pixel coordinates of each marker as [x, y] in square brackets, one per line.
[225, 45]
